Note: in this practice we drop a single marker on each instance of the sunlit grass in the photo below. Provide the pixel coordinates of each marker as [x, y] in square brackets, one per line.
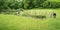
[13, 22]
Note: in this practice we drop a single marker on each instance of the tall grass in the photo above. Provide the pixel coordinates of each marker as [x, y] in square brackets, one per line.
[13, 22]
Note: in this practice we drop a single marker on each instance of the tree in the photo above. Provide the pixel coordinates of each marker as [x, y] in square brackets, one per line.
[12, 4]
[33, 3]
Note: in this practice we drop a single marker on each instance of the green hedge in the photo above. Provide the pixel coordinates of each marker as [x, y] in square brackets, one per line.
[51, 4]
[45, 4]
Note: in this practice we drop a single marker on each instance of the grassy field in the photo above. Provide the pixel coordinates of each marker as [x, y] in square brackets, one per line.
[13, 22]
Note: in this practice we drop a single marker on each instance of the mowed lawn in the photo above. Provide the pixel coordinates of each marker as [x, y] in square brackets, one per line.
[13, 22]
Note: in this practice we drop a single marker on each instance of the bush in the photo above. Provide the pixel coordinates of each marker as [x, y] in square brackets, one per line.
[39, 16]
[48, 4]
[8, 11]
[24, 15]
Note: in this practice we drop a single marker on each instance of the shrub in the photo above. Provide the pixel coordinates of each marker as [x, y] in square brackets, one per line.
[48, 4]
[39, 16]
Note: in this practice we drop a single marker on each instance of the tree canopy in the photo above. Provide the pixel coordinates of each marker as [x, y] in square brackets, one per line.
[27, 4]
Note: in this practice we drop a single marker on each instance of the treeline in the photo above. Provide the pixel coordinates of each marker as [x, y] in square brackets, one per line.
[33, 3]
[9, 5]
[27, 4]
[5, 4]
[48, 4]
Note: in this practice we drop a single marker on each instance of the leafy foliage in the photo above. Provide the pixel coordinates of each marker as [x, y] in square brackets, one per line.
[27, 4]
[51, 4]
[32, 3]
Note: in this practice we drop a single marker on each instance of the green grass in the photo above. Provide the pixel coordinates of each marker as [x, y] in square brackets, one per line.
[13, 22]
